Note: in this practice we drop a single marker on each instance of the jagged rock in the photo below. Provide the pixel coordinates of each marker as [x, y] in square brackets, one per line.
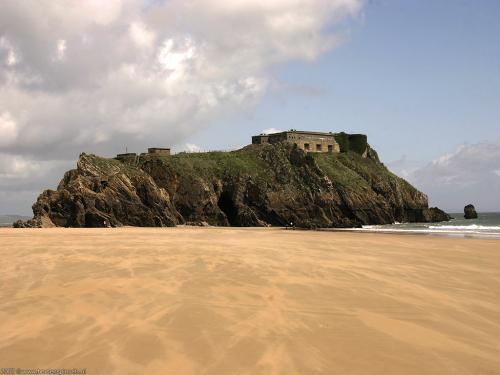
[259, 185]
[105, 192]
[197, 223]
[42, 221]
[31, 223]
[470, 212]
[434, 215]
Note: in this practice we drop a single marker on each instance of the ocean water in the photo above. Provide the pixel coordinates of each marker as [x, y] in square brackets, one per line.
[8, 220]
[487, 225]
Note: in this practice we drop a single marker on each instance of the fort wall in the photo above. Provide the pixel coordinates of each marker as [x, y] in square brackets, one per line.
[307, 141]
[133, 158]
[159, 151]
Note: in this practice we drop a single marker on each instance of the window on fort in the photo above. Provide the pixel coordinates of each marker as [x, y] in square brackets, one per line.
[330, 148]
[306, 146]
[318, 147]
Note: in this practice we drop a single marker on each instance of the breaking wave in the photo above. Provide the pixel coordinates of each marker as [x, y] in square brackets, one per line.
[487, 226]
[465, 227]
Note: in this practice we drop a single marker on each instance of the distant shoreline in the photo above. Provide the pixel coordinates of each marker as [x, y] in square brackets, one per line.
[487, 226]
[450, 234]
[363, 231]
[8, 220]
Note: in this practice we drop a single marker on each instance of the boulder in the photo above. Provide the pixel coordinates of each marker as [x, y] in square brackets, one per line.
[470, 212]
[434, 215]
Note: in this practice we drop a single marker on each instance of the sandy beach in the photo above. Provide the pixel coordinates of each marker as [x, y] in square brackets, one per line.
[248, 301]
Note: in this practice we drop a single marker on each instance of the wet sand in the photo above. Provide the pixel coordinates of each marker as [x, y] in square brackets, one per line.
[248, 301]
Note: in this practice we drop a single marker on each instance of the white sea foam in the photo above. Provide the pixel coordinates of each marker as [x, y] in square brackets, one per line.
[487, 225]
[465, 227]
[450, 230]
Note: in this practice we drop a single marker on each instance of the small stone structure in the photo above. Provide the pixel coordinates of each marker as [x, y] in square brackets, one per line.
[307, 141]
[159, 151]
[128, 157]
[260, 139]
[133, 158]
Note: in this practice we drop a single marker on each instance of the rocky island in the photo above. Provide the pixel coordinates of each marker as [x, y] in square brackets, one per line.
[336, 182]
[470, 212]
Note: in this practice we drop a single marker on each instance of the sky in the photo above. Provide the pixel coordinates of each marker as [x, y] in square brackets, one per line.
[420, 78]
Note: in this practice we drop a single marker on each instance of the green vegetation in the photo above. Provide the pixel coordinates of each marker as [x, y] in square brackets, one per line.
[354, 172]
[338, 167]
[105, 164]
[343, 141]
[109, 166]
[268, 163]
[352, 142]
[217, 163]
[358, 143]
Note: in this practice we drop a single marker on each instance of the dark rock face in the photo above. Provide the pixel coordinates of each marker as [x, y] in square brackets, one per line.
[31, 223]
[436, 215]
[102, 192]
[470, 212]
[259, 185]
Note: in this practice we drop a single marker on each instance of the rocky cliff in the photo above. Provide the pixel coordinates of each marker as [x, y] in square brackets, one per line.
[258, 185]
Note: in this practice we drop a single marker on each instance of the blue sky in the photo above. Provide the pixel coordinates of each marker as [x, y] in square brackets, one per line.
[420, 78]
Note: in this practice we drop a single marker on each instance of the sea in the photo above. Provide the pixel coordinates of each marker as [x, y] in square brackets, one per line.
[8, 220]
[487, 225]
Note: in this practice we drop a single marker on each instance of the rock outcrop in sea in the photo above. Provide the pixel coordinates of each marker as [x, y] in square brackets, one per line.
[258, 185]
[470, 212]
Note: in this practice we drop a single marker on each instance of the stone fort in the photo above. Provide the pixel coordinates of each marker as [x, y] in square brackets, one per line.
[307, 141]
[133, 157]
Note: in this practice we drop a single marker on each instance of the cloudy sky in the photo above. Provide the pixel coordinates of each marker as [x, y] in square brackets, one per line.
[421, 78]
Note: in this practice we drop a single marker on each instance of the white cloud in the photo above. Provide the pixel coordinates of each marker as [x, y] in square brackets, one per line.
[405, 167]
[190, 147]
[60, 49]
[14, 167]
[97, 75]
[174, 56]
[22, 179]
[77, 13]
[141, 35]
[11, 58]
[8, 129]
[271, 131]
[468, 165]
[468, 174]
[6, 49]
[206, 58]
[22, 173]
